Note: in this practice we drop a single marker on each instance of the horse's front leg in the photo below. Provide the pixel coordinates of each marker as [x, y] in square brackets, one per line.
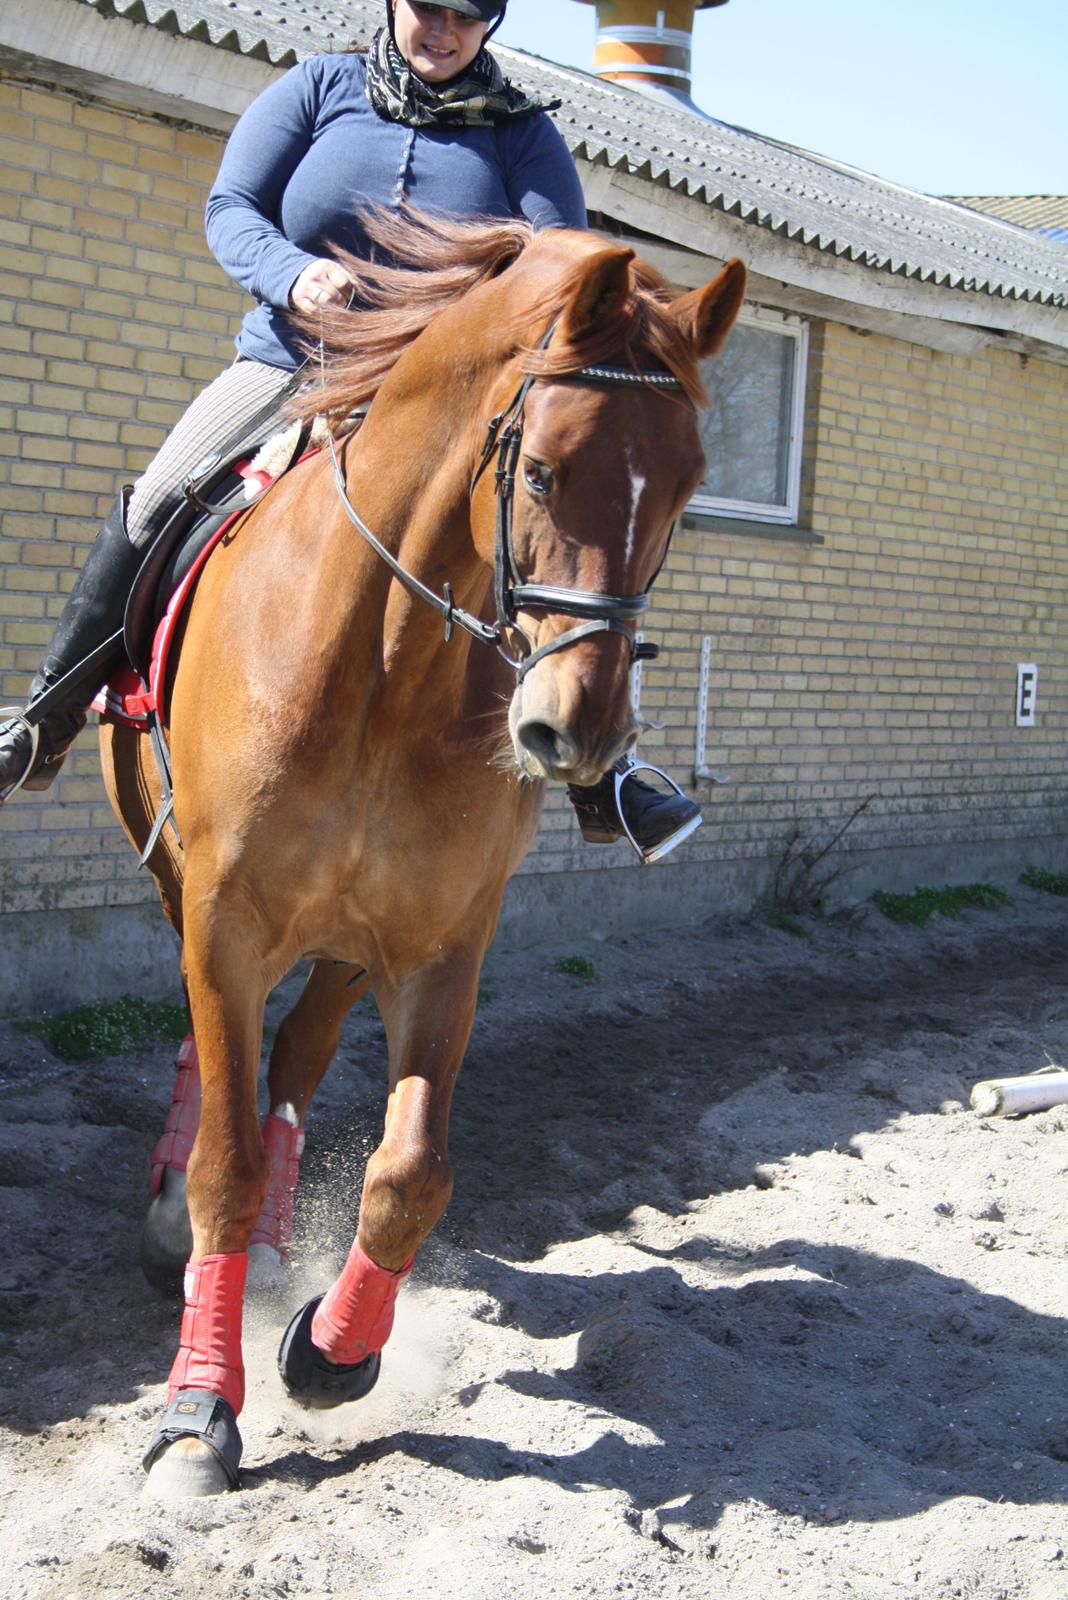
[332, 1348]
[197, 1447]
[306, 1044]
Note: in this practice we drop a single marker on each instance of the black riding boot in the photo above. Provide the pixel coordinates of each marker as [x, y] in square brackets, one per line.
[622, 805]
[92, 614]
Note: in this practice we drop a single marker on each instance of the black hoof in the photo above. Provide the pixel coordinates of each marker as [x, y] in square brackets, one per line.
[310, 1378]
[198, 1414]
[167, 1238]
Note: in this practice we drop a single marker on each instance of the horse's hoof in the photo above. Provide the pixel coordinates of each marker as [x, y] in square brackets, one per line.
[196, 1450]
[266, 1267]
[167, 1238]
[186, 1470]
[313, 1381]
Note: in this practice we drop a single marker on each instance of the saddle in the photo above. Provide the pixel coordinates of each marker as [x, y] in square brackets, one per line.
[222, 487]
[225, 485]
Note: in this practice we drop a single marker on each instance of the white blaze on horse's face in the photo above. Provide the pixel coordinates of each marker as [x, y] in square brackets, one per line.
[638, 481]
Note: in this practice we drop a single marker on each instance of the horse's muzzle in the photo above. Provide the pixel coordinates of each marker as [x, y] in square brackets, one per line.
[547, 747]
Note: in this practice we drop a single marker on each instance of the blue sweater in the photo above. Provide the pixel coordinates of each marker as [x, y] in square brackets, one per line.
[311, 149]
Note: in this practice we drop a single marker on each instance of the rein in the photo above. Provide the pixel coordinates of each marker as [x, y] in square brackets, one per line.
[602, 613]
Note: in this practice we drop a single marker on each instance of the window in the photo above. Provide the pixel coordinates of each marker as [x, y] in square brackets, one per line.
[752, 431]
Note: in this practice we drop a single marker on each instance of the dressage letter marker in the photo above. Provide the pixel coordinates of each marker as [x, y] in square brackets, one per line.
[1026, 694]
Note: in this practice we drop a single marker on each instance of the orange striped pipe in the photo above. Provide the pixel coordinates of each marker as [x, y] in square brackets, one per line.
[641, 41]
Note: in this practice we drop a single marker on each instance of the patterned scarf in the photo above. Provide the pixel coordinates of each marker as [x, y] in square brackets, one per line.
[477, 98]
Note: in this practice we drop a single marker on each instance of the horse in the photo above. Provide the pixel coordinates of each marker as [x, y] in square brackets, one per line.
[382, 665]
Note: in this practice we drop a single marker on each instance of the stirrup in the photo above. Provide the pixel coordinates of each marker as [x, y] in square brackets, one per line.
[666, 845]
[19, 714]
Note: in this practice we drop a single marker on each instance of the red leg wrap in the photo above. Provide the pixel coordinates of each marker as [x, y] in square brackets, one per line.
[356, 1317]
[183, 1119]
[285, 1145]
[209, 1356]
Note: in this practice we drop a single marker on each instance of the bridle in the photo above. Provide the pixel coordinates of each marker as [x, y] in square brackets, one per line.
[601, 613]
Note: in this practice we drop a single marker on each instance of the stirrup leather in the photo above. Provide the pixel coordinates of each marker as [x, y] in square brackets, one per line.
[18, 714]
[666, 845]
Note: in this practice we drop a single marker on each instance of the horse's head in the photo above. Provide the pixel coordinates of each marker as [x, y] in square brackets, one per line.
[605, 465]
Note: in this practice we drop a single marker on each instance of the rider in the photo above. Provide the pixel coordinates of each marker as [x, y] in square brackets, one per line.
[423, 115]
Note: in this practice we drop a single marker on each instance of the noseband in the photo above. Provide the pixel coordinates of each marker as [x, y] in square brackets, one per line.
[602, 613]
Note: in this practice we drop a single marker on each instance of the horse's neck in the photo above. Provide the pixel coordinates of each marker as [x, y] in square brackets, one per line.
[409, 473]
[417, 503]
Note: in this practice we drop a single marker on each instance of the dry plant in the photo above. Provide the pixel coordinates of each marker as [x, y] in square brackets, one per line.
[799, 885]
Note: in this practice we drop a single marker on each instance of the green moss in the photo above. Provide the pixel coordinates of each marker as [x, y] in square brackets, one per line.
[922, 904]
[107, 1028]
[1051, 882]
[577, 967]
[788, 924]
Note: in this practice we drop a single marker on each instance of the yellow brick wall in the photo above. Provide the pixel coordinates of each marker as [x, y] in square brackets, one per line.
[112, 316]
[880, 662]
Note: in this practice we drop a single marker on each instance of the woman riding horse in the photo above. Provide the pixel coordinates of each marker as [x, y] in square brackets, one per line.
[423, 116]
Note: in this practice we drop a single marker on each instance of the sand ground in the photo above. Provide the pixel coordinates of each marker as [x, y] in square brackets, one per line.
[735, 1298]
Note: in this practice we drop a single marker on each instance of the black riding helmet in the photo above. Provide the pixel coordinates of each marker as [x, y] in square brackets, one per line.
[491, 11]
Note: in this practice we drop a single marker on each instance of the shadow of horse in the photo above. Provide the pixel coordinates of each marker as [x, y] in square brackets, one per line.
[773, 1390]
[644, 1087]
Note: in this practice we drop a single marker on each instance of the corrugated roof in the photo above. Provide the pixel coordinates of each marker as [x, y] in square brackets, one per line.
[1042, 212]
[802, 197]
[278, 31]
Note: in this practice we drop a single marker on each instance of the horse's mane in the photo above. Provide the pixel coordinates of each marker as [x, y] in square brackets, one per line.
[430, 263]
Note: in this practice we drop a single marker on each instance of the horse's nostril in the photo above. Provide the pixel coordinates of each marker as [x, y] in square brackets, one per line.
[548, 745]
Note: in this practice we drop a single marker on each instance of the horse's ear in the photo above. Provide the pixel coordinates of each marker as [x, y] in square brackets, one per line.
[706, 316]
[600, 294]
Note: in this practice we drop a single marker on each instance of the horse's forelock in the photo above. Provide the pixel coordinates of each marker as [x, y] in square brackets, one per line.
[643, 328]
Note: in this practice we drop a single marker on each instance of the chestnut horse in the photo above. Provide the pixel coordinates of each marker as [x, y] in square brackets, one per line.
[352, 785]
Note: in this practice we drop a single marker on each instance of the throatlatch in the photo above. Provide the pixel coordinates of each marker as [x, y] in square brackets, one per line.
[601, 613]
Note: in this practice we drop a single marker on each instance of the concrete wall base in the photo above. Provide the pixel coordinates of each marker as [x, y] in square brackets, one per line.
[542, 906]
[51, 960]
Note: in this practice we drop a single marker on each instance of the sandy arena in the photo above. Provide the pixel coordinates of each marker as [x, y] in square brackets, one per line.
[735, 1298]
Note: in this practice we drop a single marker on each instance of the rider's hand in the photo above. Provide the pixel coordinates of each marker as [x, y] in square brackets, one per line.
[322, 284]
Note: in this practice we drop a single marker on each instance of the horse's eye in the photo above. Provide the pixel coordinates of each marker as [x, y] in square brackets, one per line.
[539, 477]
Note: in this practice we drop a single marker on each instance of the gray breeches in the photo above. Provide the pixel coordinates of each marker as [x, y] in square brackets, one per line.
[228, 403]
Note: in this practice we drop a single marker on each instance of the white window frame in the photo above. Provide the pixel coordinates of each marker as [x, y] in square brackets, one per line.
[750, 510]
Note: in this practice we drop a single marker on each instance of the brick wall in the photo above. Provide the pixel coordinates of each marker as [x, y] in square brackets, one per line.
[112, 316]
[881, 662]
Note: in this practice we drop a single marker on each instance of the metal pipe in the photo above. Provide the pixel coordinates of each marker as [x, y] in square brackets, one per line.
[642, 41]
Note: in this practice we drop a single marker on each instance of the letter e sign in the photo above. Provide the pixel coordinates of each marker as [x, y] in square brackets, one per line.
[1026, 694]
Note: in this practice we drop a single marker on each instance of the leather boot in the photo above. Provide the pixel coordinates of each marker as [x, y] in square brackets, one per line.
[94, 611]
[621, 805]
